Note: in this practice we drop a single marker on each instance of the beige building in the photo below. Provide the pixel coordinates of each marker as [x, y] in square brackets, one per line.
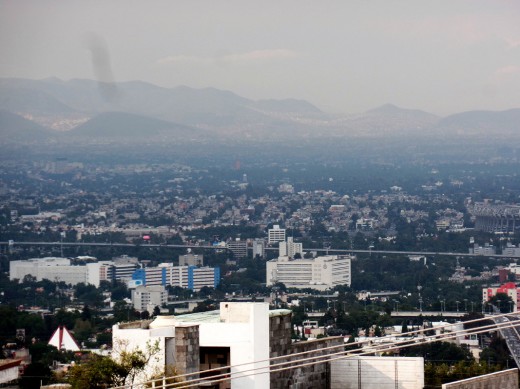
[290, 248]
[146, 298]
[191, 260]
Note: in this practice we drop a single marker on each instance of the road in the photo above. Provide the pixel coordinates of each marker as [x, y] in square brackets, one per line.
[336, 251]
[511, 336]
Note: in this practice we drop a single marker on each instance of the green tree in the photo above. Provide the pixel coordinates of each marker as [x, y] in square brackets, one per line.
[104, 372]
[98, 372]
[34, 375]
[497, 353]
[86, 315]
[501, 301]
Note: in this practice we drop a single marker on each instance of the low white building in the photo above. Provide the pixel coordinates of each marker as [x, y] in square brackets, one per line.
[51, 268]
[319, 273]
[237, 335]
[236, 341]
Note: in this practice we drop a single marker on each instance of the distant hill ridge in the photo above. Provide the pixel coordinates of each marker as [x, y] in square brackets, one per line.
[137, 109]
[121, 124]
[16, 128]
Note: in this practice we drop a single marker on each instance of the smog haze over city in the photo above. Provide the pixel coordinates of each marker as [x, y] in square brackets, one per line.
[385, 134]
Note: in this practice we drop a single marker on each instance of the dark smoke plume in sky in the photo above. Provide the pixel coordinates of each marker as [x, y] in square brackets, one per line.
[102, 67]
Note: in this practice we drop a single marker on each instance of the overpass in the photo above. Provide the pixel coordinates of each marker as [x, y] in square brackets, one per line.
[440, 314]
[510, 335]
[407, 314]
[210, 247]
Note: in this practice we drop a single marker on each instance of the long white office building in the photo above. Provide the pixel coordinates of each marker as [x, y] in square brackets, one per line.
[58, 269]
[49, 268]
[319, 273]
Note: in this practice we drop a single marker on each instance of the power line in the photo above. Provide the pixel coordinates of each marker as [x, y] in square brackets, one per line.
[302, 362]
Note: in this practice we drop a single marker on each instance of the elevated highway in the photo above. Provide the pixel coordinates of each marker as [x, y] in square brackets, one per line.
[210, 247]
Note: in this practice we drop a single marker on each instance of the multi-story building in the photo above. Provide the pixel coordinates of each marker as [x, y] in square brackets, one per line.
[512, 250]
[509, 288]
[502, 218]
[199, 277]
[290, 248]
[49, 268]
[258, 248]
[191, 277]
[276, 234]
[238, 248]
[124, 267]
[319, 273]
[99, 271]
[146, 298]
[191, 260]
[487, 250]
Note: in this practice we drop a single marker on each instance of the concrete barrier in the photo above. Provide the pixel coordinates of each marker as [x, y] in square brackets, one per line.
[505, 379]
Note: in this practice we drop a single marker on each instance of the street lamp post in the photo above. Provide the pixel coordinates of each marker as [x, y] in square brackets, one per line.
[457, 302]
[466, 305]
[419, 287]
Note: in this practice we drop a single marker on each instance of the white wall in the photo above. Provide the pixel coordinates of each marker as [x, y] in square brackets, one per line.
[143, 339]
[9, 374]
[377, 372]
[246, 331]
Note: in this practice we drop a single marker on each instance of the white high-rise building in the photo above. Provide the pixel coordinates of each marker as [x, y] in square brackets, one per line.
[276, 234]
[319, 273]
[290, 248]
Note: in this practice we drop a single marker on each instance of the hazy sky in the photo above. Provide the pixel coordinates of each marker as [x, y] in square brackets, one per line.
[441, 56]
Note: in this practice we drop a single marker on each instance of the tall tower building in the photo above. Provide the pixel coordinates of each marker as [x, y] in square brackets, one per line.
[276, 234]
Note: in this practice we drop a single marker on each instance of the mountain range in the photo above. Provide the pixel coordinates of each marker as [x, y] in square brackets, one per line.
[38, 109]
